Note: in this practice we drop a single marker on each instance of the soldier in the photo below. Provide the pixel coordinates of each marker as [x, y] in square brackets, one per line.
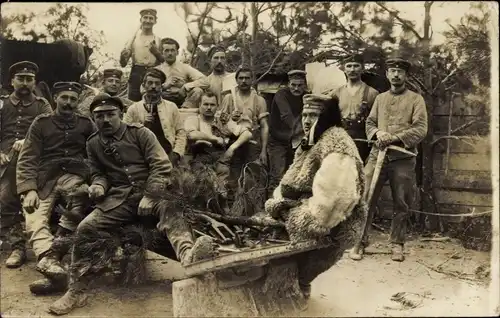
[285, 129]
[183, 85]
[143, 48]
[112, 79]
[127, 164]
[17, 112]
[51, 164]
[355, 101]
[161, 116]
[399, 117]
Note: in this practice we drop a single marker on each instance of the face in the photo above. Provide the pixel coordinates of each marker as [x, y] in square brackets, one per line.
[108, 122]
[170, 52]
[111, 85]
[23, 84]
[244, 81]
[218, 62]
[353, 70]
[309, 118]
[66, 103]
[148, 21]
[396, 76]
[208, 106]
[297, 86]
[152, 85]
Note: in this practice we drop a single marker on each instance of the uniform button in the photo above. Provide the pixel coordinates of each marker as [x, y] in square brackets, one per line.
[20, 117]
[126, 169]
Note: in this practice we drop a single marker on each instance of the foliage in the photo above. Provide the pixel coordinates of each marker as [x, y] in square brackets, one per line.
[62, 21]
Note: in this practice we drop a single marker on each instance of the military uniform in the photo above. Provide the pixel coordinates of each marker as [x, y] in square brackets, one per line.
[16, 117]
[52, 162]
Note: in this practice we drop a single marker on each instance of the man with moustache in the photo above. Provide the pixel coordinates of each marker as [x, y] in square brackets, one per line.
[245, 107]
[112, 79]
[52, 164]
[215, 81]
[398, 117]
[214, 140]
[128, 167]
[355, 101]
[17, 112]
[285, 131]
[161, 116]
[183, 85]
[144, 50]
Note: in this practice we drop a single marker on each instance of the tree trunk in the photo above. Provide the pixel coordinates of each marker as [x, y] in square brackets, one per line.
[427, 198]
[254, 14]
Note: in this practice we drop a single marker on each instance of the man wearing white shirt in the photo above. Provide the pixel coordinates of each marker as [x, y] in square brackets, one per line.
[184, 85]
[143, 49]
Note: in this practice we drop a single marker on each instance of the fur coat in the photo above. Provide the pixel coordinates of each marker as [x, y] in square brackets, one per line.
[321, 192]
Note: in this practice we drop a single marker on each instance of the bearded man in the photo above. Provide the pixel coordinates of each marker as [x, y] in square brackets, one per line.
[51, 164]
[320, 195]
[17, 111]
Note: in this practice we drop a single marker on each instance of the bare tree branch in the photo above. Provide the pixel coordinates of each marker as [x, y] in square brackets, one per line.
[276, 58]
[395, 14]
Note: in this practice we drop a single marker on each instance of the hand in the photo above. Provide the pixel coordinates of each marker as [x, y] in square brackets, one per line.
[263, 158]
[18, 145]
[383, 139]
[149, 118]
[4, 159]
[96, 192]
[219, 141]
[236, 115]
[145, 206]
[31, 201]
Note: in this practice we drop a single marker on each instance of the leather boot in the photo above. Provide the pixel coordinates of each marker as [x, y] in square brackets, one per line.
[178, 232]
[357, 252]
[50, 266]
[397, 253]
[16, 259]
[74, 297]
[46, 286]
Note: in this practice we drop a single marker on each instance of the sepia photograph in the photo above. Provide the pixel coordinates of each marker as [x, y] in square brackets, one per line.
[249, 159]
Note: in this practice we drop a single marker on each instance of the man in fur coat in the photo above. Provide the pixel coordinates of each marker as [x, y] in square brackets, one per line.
[320, 195]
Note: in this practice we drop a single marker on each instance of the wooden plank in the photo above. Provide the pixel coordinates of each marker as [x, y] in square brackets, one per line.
[463, 198]
[481, 126]
[459, 108]
[468, 144]
[475, 162]
[463, 179]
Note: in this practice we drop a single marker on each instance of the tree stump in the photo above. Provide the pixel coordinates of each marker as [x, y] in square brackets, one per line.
[271, 290]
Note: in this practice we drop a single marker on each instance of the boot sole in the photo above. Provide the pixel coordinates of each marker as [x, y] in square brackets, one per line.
[14, 265]
[53, 276]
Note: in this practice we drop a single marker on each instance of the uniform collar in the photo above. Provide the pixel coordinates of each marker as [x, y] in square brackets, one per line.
[400, 92]
[16, 100]
[65, 122]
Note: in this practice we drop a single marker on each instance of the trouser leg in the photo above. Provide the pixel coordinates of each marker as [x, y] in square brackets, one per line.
[193, 98]
[278, 157]
[11, 229]
[134, 83]
[402, 182]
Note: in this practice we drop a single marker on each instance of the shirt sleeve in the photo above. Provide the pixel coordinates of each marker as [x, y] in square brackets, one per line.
[192, 124]
[180, 134]
[372, 120]
[418, 128]
[261, 108]
[160, 166]
[194, 77]
[97, 171]
[29, 159]
[282, 106]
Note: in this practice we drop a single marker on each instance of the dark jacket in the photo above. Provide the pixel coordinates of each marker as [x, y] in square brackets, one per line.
[53, 146]
[132, 160]
[285, 114]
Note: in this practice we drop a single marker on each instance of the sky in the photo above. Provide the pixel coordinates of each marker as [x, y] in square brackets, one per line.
[119, 21]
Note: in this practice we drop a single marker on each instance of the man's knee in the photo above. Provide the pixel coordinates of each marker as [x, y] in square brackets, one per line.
[193, 98]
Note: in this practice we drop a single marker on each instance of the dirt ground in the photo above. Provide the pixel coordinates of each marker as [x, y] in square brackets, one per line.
[350, 288]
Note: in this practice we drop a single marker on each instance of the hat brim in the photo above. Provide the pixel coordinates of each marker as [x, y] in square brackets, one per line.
[105, 108]
[24, 73]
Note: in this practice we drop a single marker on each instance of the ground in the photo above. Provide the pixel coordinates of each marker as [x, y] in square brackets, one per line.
[350, 288]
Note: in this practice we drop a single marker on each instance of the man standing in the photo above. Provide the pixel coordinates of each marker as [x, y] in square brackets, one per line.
[183, 86]
[51, 164]
[143, 48]
[17, 112]
[355, 101]
[285, 130]
[399, 117]
[127, 164]
[161, 116]
[112, 80]
[216, 79]
[212, 141]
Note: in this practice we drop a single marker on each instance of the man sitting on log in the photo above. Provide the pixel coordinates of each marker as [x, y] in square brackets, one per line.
[52, 164]
[213, 139]
[320, 195]
[129, 167]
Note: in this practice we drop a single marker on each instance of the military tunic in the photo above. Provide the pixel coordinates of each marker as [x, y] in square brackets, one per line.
[15, 119]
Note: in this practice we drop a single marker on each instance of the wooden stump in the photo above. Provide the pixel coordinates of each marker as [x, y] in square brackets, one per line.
[261, 291]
